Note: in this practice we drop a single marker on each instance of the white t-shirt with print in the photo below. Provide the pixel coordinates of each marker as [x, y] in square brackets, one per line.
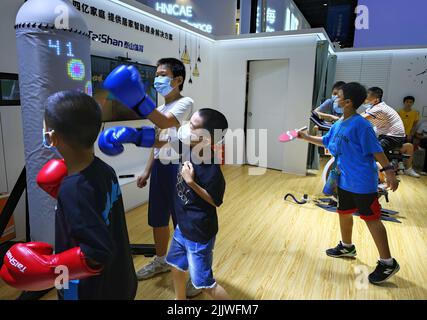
[182, 110]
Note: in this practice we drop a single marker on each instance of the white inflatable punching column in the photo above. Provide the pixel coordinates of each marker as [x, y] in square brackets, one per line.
[54, 55]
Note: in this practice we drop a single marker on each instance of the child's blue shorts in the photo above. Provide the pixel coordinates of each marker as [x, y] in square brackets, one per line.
[196, 257]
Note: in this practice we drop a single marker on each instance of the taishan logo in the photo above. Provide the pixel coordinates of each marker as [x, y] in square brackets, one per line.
[106, 39]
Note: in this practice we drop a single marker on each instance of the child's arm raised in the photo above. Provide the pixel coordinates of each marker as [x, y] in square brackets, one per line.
[188, 176]
[163, 121]
[311, 139]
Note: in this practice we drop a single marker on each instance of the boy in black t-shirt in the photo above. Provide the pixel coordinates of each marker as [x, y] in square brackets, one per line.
[90, 212]
[199, 190]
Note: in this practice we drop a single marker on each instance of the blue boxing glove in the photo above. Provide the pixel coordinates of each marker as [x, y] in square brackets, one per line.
[111, 140]
[124, 82]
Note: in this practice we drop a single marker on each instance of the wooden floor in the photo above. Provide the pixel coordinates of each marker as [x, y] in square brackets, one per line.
[271, 249]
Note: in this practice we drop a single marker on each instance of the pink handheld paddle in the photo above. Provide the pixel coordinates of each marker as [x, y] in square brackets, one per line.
[290, 135]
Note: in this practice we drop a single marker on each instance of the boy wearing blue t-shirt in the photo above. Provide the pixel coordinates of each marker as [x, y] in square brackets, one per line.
[353, 143]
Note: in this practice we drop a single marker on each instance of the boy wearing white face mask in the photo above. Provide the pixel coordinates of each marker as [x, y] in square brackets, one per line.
[124, 82]
[330, 110]
[160, 166]
[199, 191]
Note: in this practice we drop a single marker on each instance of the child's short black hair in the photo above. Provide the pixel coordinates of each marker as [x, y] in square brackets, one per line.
[177, 68]
[355, 92]
[338, 85]
[213, 121]
[409, 98]
[376, 92]
[74, 116]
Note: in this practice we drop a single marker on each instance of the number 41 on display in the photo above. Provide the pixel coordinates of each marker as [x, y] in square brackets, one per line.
[56, 45]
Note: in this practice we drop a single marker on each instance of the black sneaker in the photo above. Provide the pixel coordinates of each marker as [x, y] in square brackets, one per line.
[341, 251]
[382, 272]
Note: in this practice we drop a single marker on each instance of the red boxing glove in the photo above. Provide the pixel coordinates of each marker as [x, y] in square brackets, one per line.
[31, 266]
[51, 176]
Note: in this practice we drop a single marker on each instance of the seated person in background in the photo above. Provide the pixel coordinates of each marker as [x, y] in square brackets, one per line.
[421, 134]
[389, 126]
[330, 110]
[409, 117]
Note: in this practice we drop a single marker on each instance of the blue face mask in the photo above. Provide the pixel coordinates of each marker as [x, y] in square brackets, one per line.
[334, 98]
[162, 84]
[365, 106]
[337, 108]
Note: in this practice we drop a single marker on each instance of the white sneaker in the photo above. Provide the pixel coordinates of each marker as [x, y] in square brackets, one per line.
[411, 172]
[156, 266]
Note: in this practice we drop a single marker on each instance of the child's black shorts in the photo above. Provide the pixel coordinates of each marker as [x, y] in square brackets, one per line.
[366, 204]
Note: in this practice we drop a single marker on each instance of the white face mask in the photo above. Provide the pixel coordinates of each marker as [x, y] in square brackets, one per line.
[185, 134]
